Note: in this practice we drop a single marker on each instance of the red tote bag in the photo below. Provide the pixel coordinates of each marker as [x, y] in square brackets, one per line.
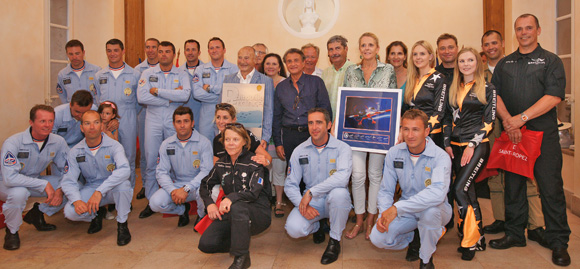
[516, 158]
[206, 221]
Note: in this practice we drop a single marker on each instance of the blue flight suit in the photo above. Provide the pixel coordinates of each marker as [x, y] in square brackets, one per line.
[159, 119]
[69, 82]
[123, 91]
[423, 203]
[141, 111]
[268, 112]
[107, 171]
[22, 163]
[206, 74]
[326, 175]
[193, 104]
[67, 126]
[181, 165]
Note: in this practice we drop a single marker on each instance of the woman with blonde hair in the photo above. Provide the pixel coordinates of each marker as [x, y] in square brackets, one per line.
[468, 121]
[369, 73]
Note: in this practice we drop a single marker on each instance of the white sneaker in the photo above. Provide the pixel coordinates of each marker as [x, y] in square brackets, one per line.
[110, 215]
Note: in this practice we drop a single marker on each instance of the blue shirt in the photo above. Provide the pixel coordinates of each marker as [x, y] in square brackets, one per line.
[187, 164]
[68, 82]
[206, 74]
[312, 94]
[105, 170]
[321, 171]
[144, 65]
[166, 85]
[22, 160]
[67, 126]
[121, 90]
[423, 185]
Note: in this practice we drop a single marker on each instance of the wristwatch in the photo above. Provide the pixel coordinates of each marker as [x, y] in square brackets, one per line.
[186, 188]
[524, 117]
[471, 145]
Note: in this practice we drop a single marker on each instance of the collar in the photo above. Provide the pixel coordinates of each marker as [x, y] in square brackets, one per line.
[242, 155]
[27, 138]
[430, 149]
[534, 54]
[332, 142]
[379, 65]
[157, 69]
[194, 137]
[249, 76]
[106, 142]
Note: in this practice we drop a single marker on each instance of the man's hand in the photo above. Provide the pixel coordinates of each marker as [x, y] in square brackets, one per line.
[513, 123]
[49, 193]
[153, 91]
[179, 195]
[80, 207]
[280, 153]
[206, 87]
[113, 125]
[387, 217]
[261, 159]
[179, 88]
[306, 210]
[213, 212]
[515, 136]
[264, 144]
[57, 198]
[225, 206]
[94, 202]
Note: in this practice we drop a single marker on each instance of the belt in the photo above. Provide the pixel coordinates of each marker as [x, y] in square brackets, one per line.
[297, 128]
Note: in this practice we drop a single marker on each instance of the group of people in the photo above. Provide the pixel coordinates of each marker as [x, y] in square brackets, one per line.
[449, 121]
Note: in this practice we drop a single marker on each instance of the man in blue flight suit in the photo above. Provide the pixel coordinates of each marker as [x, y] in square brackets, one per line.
[78, 74]
[162, 88]
[324, 163]
[184, 160]
[248, 74]
[423, 171]
[207, 85]
[67, 119]
[24, 156]
[192, 51]
[118, 83]
[151, 50]
[102, 162]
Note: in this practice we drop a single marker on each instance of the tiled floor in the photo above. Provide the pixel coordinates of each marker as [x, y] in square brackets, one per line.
[158, 242]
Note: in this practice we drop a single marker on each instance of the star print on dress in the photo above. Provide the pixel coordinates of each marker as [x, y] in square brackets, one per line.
[487, 127]
[433, 120]
[478, 138]
[435, 77]
[455, 114]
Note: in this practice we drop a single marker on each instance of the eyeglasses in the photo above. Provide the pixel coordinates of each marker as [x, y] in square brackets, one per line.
[296, 101]
[234, 124]
[223, 106]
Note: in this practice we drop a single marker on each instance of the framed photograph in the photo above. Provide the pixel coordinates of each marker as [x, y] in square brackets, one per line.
[368, 118]
[248, 99]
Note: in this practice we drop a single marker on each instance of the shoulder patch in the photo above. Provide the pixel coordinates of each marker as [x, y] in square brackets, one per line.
[66, 167]
[9, 159]
[195, 78]
[59, 89]
[261, 181]
[141, 82]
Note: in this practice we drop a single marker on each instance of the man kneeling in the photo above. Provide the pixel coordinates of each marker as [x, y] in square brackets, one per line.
[325, 164]
[422, 169]
[103, 164]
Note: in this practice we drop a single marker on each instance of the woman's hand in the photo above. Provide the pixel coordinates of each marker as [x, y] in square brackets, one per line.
[213, 212]
[467, 154]
[450, 152]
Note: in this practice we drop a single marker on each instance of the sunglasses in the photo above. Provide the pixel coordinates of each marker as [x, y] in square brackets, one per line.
[234, 124]
[223, 106]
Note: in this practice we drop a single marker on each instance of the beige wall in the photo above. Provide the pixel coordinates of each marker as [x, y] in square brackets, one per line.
[239, 23]
[544, 10]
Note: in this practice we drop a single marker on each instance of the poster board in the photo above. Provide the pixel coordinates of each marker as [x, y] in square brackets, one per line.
[248, 99]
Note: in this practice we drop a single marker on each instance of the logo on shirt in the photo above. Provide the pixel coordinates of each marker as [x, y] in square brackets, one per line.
[195, 78]
[111, 167]
[141, 82]
[331, 172]
[127, 91]
[427, 182]
[537, 61]
[9, 159]
[261, 181]
[66, 167]
[58, 88]
[196, 164]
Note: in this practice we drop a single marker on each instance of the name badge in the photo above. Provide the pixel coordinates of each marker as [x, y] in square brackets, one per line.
[398, 164]
[62, 130]
[23, 155]
[66, 81]
[80, 159]
[103, 81]
[153, 79]
[170, 151]
[303, 160]
[205, 75]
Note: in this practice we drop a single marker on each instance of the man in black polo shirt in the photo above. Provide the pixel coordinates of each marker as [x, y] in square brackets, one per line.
[447, 50]
[530, 83]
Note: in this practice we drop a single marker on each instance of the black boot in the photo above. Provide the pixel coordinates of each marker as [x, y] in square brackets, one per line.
[318, 237]
[429, 265]
[97, 222]
[123, 234]
[147, 212]
[241, 262]
[11, 241]
[496, 227]
[332, 251]
[184, 218]
[413, 250]
[36, 218]
[140, 194]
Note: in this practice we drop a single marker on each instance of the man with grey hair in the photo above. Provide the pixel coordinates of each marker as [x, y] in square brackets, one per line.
[311, 52]
[333, 76]
[261, 51]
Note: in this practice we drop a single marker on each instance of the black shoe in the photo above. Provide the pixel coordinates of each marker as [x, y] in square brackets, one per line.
[97, 222]
[413, 250]
[497, 226]
[241, 262]
[467, 254]
[184, 219]
[141, 194]
[560, 256]
[506, 242]
[332, 251]
[36, 218]
[429, 265]
[538, 236]
[318, 237]
[123, 234]
[197, 220]
[147, 212]
[12, 241]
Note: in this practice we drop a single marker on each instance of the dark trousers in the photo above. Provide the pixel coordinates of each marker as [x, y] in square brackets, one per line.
[464, 188]
[548, 174]
[291, 139]
[232, 233]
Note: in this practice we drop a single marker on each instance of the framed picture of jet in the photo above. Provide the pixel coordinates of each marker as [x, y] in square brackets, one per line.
[368, 118]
